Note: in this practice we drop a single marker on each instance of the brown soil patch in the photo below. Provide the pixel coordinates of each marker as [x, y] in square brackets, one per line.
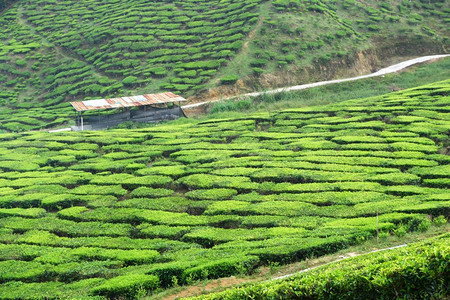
[352, 254]
[214, 285]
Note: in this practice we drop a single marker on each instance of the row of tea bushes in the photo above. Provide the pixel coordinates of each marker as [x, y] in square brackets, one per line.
[417, 271]
[176, 203]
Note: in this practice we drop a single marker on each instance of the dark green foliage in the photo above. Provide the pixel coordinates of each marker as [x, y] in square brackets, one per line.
[230, 79]
[4, 3]
[130, 286]
[130, 80]
[221, 268]
[257, 71]
[258, 63]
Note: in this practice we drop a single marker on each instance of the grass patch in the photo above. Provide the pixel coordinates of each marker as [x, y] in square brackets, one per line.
[417, 75]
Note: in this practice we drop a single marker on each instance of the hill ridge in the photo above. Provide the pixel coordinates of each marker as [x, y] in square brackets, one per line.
[167, 46]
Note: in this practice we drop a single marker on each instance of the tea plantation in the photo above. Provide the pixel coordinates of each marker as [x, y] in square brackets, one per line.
[52, 51]
[121, 213]
[420, 271]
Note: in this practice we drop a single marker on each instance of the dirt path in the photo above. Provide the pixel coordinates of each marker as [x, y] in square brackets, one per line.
[385, 71]
[349, 255]
[252, 35]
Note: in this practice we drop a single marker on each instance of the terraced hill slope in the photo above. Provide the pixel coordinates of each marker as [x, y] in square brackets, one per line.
[123, 212]
[52, 51]
[417, 271]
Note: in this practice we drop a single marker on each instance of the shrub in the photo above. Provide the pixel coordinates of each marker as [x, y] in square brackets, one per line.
[23, 212]
[424, 225]
[257, 71]
[18, 166]
[174, 171]
[127, 286]
[432, 172]
[22, 270]
[258, 63]
[127, 256]
[440, 221]
[115, 190]
[400, 231]
[167, 272]
[190, 73]
[210, 181]
[66, 227]
[163, 231]
[437, 182]
[212, 194]
[221, 268]
[229, 79]
[176, 204]
[150, 180]
[110, 179]
[297, 248]
[228, 207]
[150, 192]
[396, 178]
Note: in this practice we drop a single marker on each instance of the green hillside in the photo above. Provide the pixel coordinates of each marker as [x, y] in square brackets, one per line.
[125, 212]
[55, 51]
[419, 271]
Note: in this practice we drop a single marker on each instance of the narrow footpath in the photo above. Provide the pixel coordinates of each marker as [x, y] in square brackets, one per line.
[233, 281]
[335, 261]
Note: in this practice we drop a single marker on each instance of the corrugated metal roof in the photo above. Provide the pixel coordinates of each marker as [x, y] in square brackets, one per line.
[139, 100]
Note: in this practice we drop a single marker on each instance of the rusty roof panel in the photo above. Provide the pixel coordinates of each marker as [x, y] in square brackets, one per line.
[147, 99]
[138, 98]
[151, 99]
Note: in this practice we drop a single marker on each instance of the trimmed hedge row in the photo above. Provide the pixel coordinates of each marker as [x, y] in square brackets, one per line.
[129, 286]
[417, 271]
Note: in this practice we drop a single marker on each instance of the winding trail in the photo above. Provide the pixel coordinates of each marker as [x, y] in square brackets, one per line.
[335, 261]
[388, 70]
